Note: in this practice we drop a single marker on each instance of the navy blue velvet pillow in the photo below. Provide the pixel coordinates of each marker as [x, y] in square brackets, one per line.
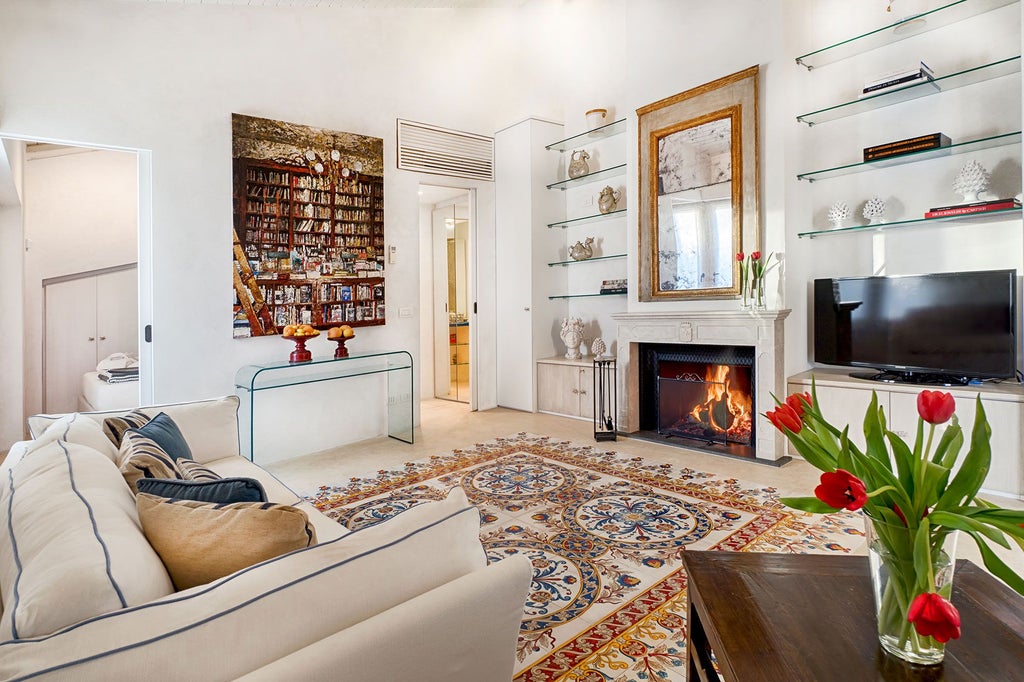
[162, 430]
[222, 491]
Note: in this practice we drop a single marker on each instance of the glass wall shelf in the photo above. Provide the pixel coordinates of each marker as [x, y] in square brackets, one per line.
[587, 219]
[622, 293]
[977, 74]
[594, 135]
[1005, 214]
[950, 150]
[563, 263]
[904, 28]
[590, 177]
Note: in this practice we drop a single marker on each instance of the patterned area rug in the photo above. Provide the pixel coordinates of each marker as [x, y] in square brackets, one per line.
[605, 534]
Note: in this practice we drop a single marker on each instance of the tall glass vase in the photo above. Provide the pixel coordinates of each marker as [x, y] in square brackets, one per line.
[758, 293]
[896, 583]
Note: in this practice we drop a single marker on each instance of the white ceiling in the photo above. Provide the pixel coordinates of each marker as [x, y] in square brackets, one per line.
[353, 4]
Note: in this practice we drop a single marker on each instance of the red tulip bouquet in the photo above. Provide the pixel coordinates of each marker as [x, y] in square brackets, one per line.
[915, 497]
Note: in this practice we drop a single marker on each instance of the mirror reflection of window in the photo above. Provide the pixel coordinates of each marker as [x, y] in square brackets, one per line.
[696, 246]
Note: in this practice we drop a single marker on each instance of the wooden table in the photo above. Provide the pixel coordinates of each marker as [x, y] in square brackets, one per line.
[811, 617]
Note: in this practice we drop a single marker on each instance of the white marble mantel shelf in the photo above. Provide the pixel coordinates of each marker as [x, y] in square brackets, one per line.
[761, 329]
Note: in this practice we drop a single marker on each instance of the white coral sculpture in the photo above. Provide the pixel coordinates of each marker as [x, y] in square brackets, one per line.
[971, 181]
[838, 213]
[874, 210]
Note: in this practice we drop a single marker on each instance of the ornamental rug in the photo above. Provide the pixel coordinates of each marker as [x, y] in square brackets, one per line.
[605, 534]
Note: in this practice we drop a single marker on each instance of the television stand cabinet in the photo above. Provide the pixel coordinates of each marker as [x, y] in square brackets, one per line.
[844, 400]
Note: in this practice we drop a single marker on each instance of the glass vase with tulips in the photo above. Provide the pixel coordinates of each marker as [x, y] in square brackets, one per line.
[915, 497]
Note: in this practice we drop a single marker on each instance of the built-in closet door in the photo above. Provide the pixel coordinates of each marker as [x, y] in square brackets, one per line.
[87, 319]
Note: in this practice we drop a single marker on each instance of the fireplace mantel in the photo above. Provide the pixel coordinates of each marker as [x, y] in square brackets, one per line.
[763, 330]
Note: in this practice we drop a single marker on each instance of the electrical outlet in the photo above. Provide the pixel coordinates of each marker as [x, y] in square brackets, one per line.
[405, 312]
[588, 201]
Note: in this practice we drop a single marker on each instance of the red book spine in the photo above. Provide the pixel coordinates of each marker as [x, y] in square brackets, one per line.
[967, 210]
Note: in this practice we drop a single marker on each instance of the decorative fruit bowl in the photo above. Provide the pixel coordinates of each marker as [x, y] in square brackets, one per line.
[299, 333]
[340, 335]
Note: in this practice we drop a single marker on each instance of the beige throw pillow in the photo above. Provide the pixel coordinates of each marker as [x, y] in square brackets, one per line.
[114, 427]
[202, 541]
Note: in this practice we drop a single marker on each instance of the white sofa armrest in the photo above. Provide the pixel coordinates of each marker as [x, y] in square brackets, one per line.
[15, 454]
[463, 630]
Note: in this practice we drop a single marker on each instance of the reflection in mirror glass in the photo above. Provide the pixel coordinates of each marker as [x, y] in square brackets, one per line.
[695, 249]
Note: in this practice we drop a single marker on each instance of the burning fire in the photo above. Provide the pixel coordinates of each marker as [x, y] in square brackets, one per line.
[724, 410]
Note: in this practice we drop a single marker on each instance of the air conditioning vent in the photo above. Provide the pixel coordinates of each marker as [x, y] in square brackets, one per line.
[430, 149]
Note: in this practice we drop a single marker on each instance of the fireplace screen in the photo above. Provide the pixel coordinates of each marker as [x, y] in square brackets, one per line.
[707, 402]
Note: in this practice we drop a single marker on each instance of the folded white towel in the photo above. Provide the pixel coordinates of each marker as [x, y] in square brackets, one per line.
[118, 361]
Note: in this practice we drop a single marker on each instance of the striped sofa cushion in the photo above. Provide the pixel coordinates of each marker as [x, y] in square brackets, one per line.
[141, 457]
[192, 471]
[115, 427]
[73, 547]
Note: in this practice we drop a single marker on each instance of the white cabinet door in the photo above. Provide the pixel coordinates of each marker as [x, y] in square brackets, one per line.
[558, 389]
[117, 313]
[1006, 474]
[70, 341]
[513, 225]
[585, 386]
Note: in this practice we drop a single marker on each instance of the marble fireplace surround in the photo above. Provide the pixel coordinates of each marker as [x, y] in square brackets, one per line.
[761, 329]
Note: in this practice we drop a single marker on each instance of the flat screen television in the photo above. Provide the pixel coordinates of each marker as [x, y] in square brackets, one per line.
[940, 328]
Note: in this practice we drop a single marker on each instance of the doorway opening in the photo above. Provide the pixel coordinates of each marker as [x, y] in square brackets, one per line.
[447, 217]
[83, 221]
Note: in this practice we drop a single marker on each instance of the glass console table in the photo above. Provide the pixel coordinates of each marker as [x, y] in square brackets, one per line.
[395, 364]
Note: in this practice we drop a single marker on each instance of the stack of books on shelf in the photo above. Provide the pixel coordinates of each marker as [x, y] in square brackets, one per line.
[897, 80]
[613, 286]
[907, 146]
[972, 208]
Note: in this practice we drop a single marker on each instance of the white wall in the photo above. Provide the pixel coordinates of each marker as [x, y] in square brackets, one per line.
[11, 292]
[81, 214]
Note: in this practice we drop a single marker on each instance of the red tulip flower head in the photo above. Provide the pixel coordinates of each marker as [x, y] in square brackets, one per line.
[785, 417]
[842, 490]
[935, 407]
[799, 401]
[933, 616]
[740, 257]
[756, 255]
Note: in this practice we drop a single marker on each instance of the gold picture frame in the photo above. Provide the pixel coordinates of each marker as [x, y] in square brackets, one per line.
[699, 189]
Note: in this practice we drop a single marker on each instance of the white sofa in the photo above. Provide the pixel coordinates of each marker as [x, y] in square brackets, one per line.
[412, 598]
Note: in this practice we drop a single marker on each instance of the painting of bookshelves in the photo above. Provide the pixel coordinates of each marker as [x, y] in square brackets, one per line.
[315, 243]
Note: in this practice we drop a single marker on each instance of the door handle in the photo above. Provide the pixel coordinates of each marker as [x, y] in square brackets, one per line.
[103, 338]
[526, 309]
[92, 338]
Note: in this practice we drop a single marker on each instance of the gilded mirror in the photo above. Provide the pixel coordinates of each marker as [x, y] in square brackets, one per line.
[698, 189]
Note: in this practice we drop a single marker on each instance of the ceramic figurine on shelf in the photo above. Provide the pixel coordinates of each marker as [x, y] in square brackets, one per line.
[607, 200]
[838, 214]
[874, 210]
[582, 250]
[572, 337]
[578, 163]
[598, 347]
[596, 118]
[971, 182]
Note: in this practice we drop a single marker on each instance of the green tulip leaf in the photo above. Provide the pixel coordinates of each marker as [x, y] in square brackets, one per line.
[996, 566]
[974, 469]
[934, 482]
[968, 524]
[904, 460]
[814, 455]
[949, 445]
[808, 504]
[873, 430]
[923, 557]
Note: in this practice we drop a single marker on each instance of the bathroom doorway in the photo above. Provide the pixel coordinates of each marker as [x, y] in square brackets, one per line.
[450, 231]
